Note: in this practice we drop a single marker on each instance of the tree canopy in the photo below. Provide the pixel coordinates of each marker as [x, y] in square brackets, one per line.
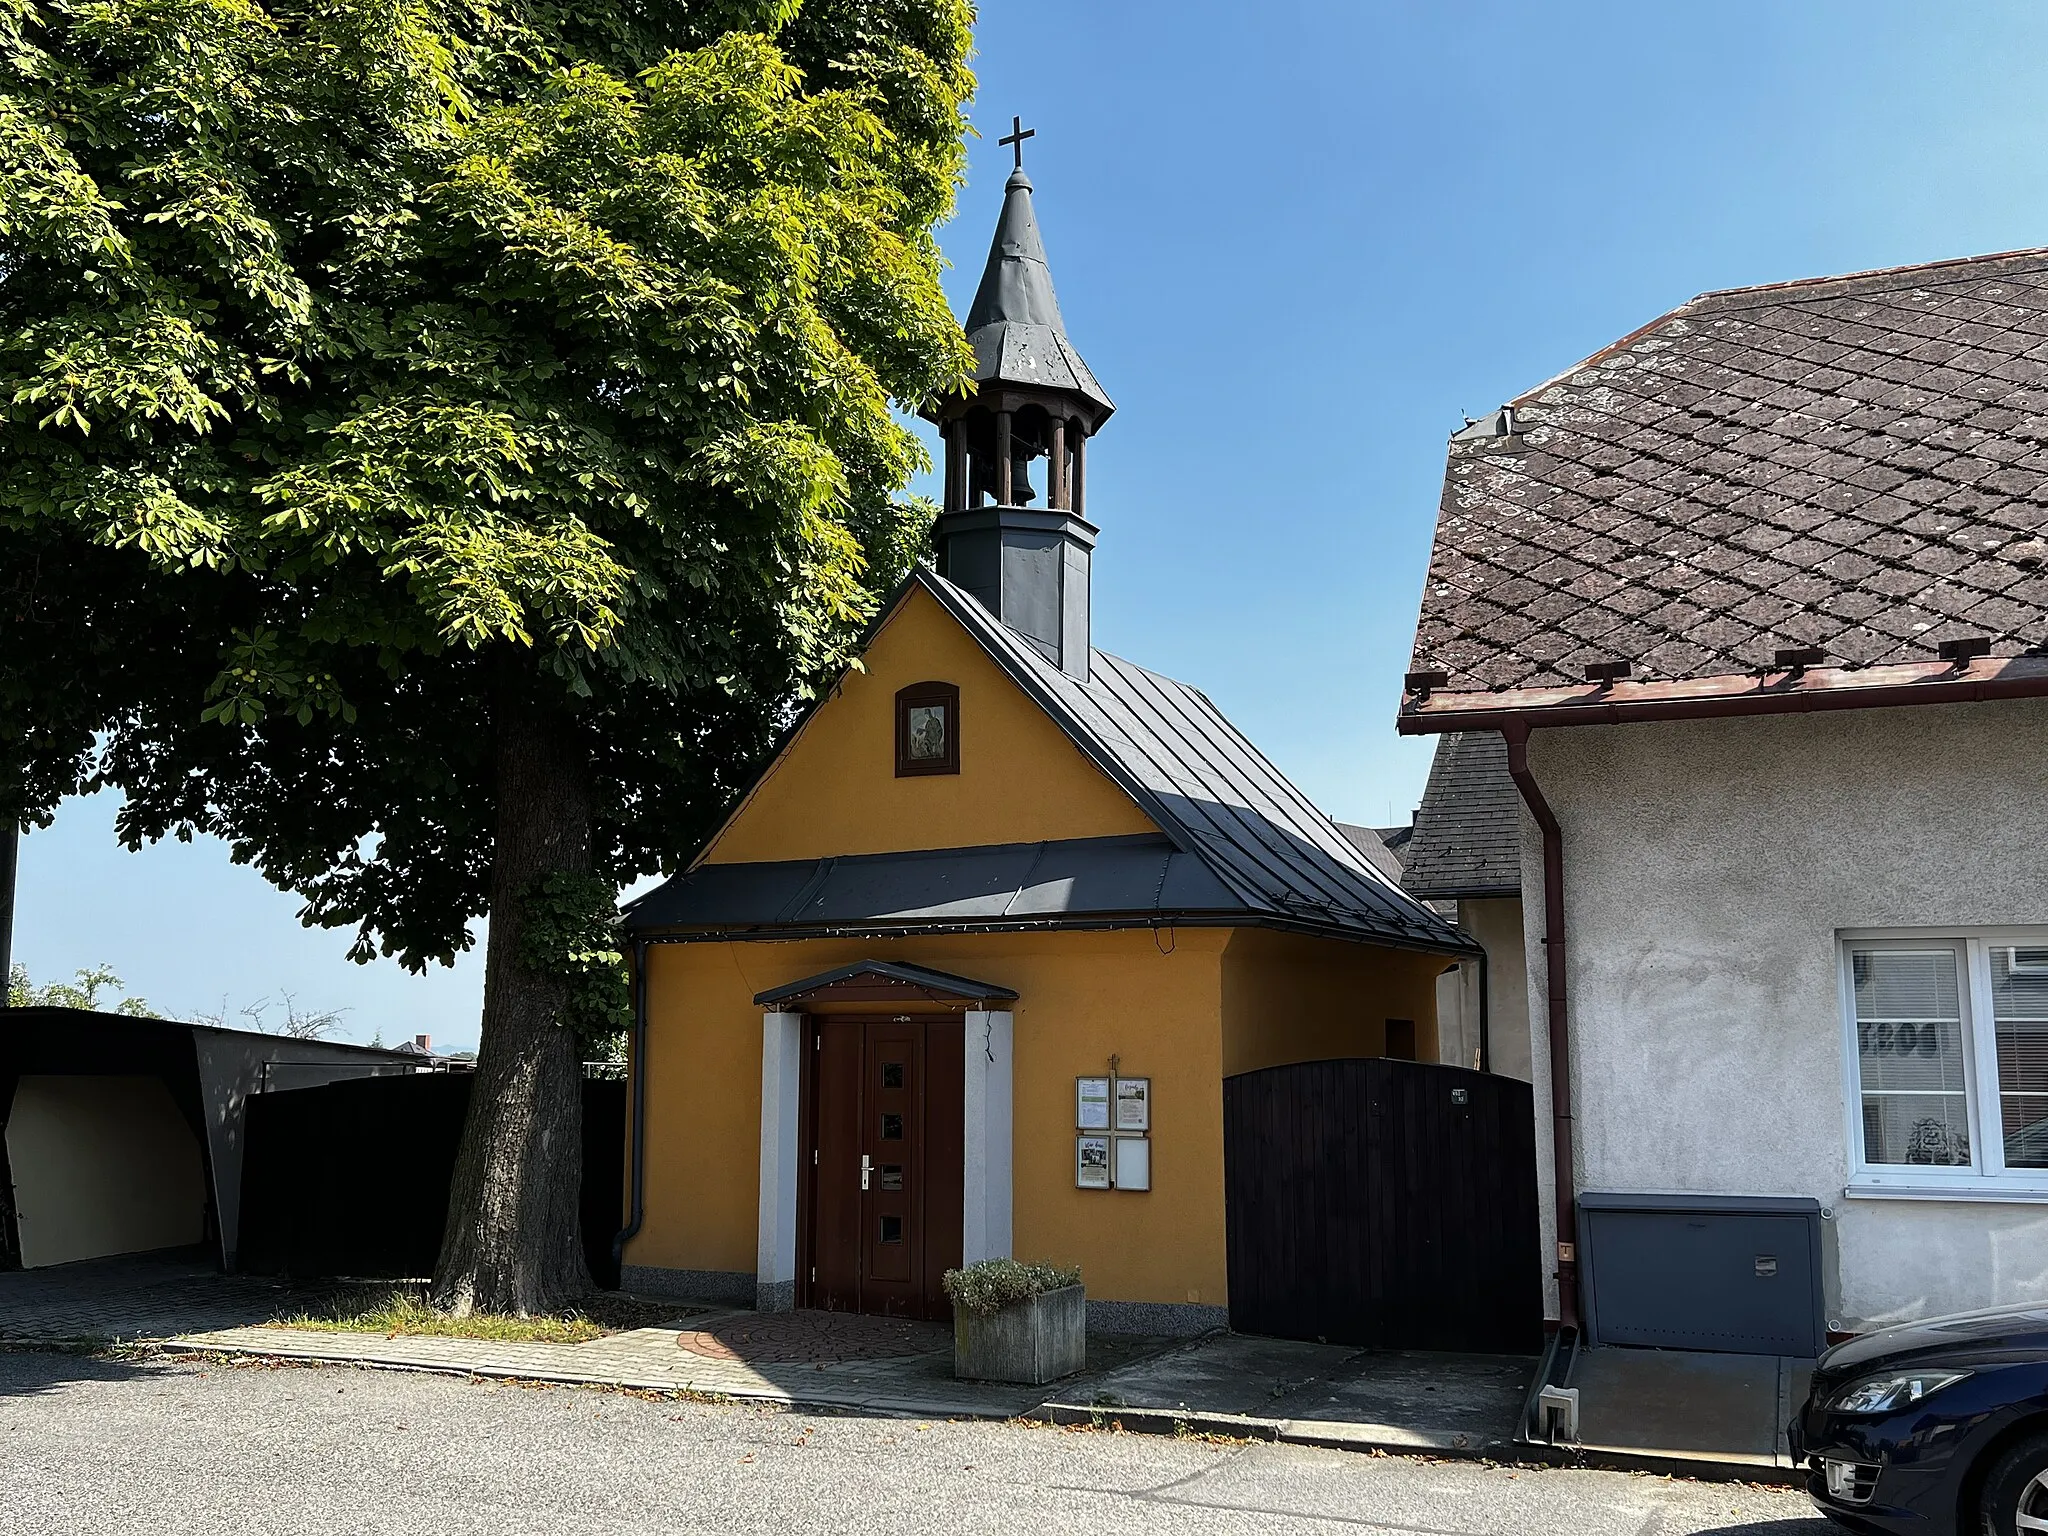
[378, 375]
[342, 343]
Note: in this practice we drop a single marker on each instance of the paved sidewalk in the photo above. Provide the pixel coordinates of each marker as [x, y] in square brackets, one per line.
[1677, 1408]
[726, 1353]
[1705, 1415]
[1314, 1394]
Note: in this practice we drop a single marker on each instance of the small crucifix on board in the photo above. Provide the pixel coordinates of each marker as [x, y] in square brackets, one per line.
[1015, 138]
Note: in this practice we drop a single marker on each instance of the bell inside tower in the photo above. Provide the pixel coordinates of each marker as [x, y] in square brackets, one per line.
[1026, 456]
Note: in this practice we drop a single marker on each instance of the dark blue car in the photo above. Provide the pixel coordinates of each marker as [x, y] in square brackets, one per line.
[1934, 1427]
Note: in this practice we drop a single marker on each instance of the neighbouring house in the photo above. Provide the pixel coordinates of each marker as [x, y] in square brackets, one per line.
[965, 971]
[1463, 854]
[1754, 602]
[121, 1134]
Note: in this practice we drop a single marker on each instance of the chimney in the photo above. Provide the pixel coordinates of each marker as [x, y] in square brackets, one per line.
[425, 1043]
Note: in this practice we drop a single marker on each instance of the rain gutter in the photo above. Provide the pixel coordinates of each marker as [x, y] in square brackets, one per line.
[1460, 948]
[1972, 681]
[1517, 734]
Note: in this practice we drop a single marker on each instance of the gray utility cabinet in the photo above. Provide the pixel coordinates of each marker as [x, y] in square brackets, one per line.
[1733, 1273]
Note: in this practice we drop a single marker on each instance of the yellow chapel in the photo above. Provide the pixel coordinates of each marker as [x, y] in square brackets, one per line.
[963, 974]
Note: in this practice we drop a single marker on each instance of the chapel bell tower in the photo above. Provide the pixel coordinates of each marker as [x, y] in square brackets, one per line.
[1014, 531]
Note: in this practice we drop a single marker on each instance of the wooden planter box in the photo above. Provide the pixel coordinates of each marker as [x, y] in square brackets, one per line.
[1034, 1342]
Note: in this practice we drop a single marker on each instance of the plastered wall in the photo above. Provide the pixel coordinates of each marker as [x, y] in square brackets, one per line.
[1154, 1000]
[101, 1165]
[1496, 922]
[835, 791]
[1288, 997]
[1183, 1007]
[1709, 867]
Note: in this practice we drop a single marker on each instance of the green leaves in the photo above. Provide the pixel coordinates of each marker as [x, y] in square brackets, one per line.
[569, 930]
[346, 346]
[264, 668]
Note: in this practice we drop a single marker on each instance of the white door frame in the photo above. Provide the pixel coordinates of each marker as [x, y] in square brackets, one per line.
[986, 1121]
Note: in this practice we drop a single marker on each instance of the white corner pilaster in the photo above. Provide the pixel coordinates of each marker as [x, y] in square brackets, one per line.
[782, 1044]
[985, 1224]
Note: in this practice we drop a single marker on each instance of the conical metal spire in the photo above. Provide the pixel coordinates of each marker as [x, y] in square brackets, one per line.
[1014, 322]
[1017, 284]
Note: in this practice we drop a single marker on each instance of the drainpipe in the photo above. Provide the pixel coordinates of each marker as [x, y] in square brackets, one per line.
[1517, 735]
[637, 1210]
[1485, 1022]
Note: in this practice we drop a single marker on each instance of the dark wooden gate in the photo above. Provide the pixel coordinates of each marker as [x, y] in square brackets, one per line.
[1383, 1203]
[352, 1178]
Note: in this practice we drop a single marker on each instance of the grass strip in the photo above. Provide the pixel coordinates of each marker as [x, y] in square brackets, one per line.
[395, 1310]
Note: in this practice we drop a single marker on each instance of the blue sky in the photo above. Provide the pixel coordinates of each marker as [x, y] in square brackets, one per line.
[1295, 241]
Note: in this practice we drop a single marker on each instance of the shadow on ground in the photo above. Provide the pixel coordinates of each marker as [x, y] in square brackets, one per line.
[32, 1370]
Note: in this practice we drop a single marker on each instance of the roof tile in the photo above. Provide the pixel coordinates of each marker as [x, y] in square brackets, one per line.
[1839, 462]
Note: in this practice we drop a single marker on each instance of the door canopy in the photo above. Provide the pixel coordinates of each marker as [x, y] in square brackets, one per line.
[885, 981]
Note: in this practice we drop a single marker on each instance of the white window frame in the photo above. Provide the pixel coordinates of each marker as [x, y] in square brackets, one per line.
[1987, 1177]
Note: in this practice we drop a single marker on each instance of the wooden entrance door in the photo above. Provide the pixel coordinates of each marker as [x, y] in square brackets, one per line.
[883, 1200]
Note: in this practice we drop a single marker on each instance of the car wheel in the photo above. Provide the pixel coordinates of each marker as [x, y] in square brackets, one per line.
[2015, 1497]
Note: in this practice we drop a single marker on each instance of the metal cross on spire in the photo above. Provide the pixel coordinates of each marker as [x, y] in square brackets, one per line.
[1015, 138]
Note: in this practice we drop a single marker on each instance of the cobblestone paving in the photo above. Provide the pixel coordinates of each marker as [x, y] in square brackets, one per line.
[137, 1297]
[812, 1338]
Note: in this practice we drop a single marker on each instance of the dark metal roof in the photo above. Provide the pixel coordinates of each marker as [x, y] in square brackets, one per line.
[1241, 844]
[934, 985]
[1014, 323]
[1855, 467]
[998, 885]
[1468, 830]
[1209, 789]
[87, 1029]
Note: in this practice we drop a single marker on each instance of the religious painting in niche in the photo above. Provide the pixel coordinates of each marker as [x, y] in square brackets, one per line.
[927, 733]
[927, 729]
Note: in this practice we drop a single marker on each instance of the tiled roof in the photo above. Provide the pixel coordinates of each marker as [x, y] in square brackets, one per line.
[1857, 465]
[1468, 830]
[1381, 849]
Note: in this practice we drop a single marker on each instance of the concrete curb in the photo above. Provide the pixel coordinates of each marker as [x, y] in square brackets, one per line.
[1381, 1439]
[1390, 1440]
[882, 1404]
[1703, 1469]
[1155, 1421]
[1333, 1435]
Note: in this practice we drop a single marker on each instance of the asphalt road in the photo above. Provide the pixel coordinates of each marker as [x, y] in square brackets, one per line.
[110, 1447]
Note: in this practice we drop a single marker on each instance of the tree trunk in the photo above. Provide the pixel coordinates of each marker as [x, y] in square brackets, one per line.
[513, 1242]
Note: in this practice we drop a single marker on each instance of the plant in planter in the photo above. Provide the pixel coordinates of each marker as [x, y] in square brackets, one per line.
[1017, 1322]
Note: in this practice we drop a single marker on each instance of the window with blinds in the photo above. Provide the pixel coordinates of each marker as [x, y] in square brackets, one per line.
[1950, 1033]
[2019, 1008]
[1910, 1057]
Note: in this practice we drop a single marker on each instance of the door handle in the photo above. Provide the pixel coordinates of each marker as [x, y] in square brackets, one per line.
[865, 1170]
